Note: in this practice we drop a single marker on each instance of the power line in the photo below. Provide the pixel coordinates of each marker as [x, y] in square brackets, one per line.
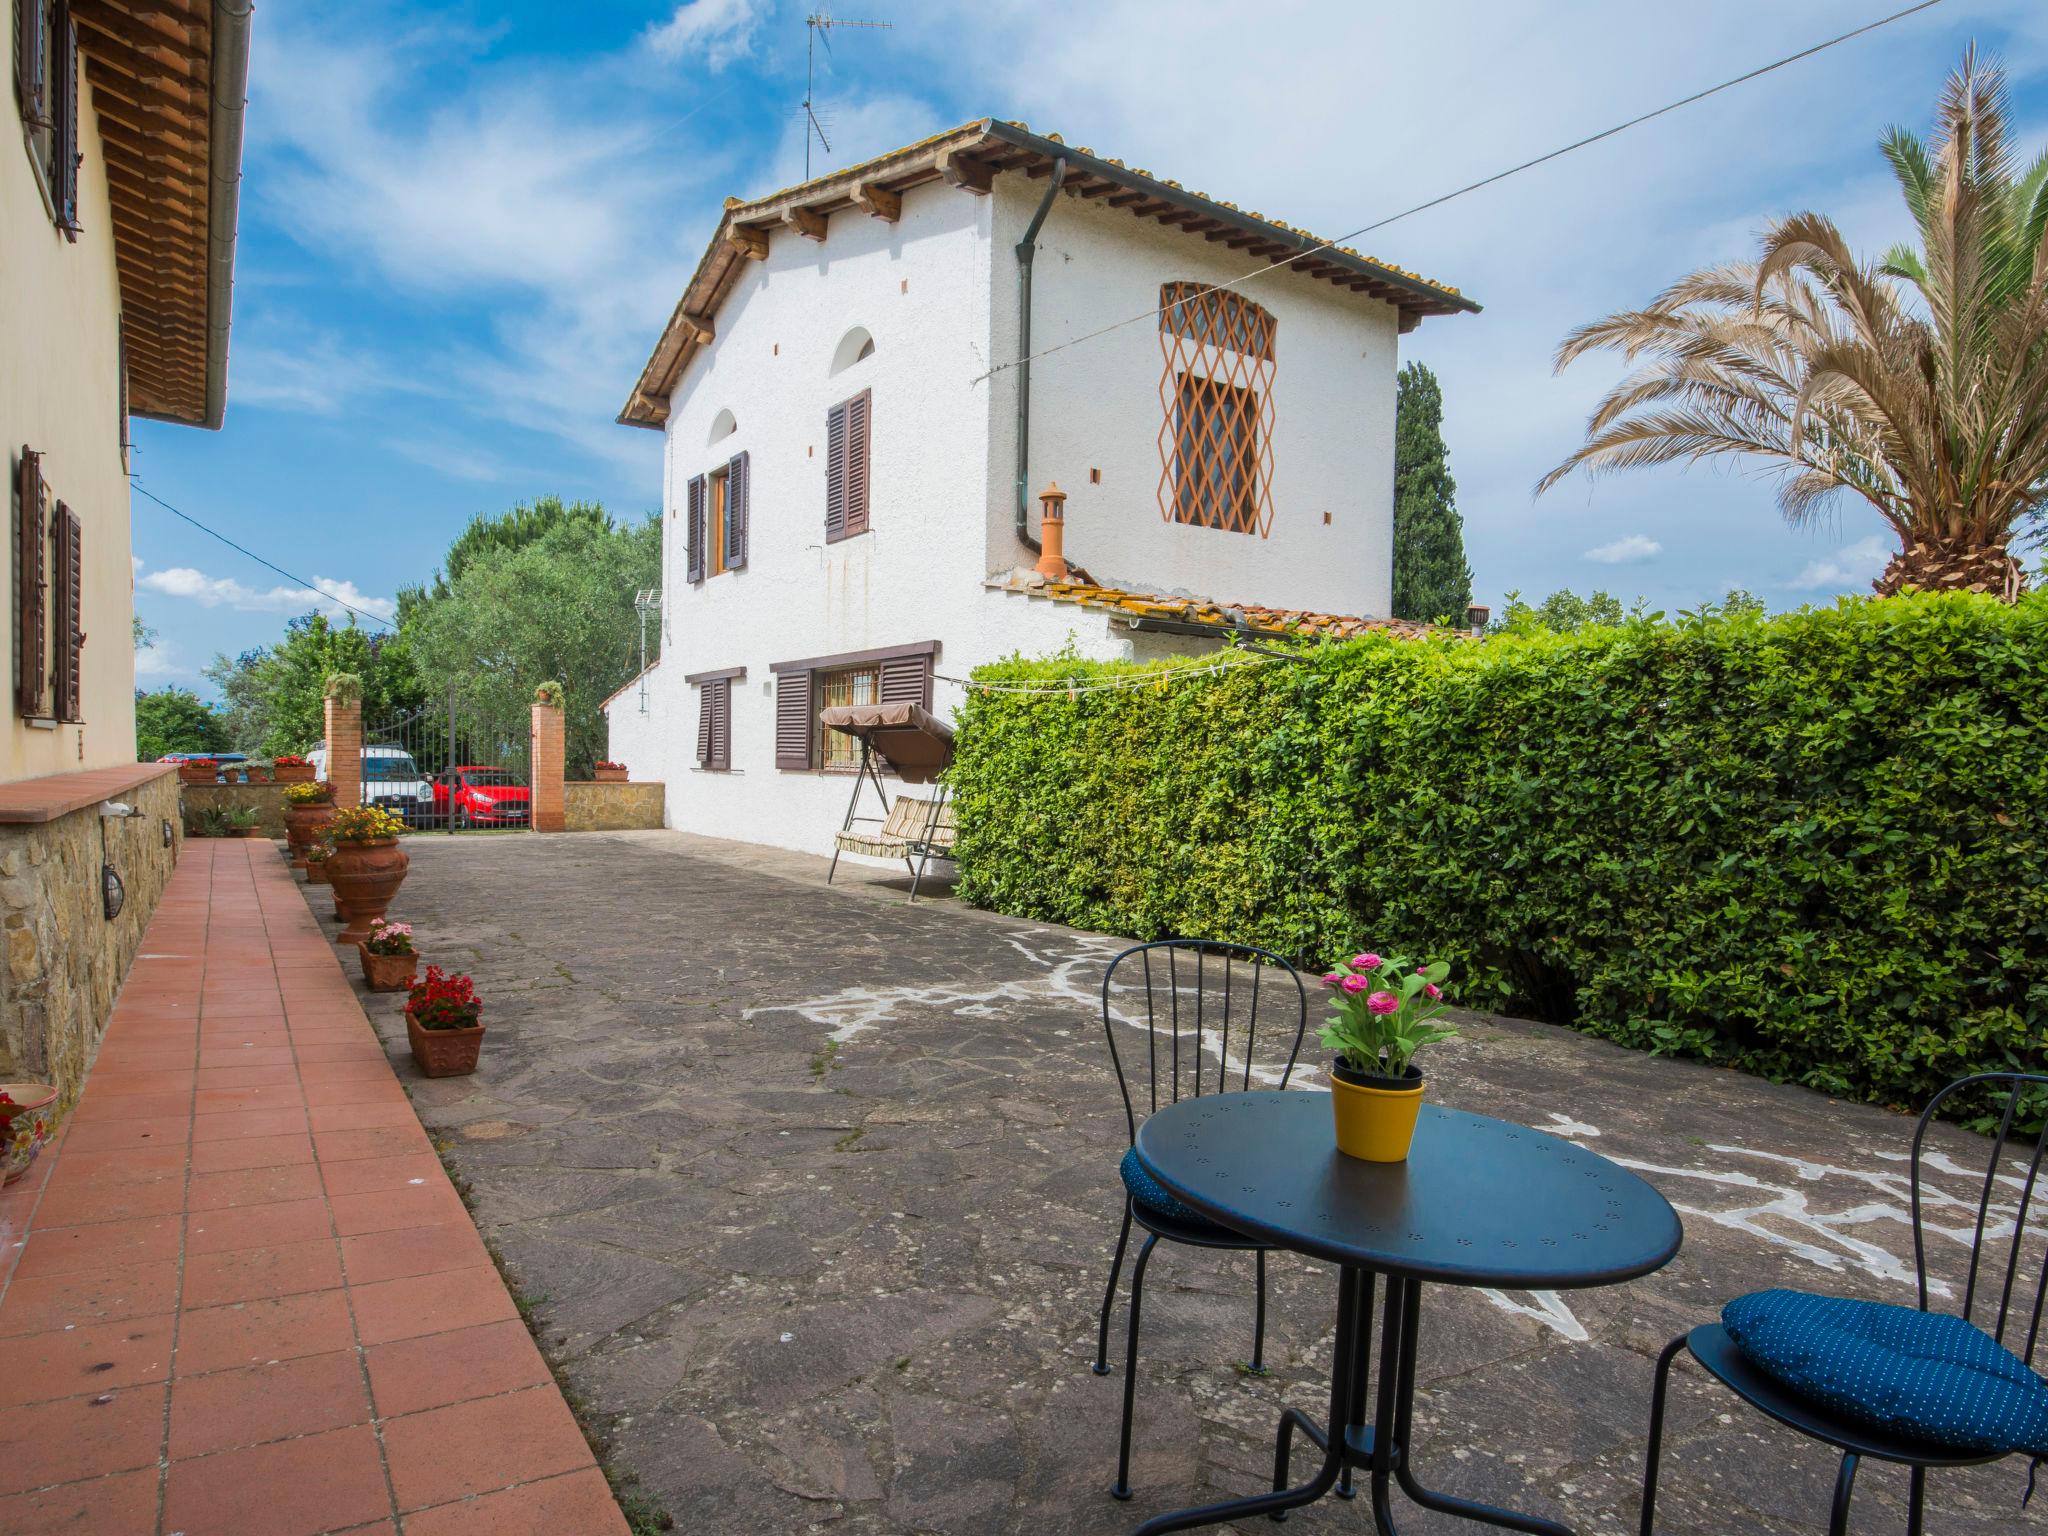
[267, 565]
[1484, 181]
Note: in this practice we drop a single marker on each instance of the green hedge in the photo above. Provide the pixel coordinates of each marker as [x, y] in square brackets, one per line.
[1811, 846]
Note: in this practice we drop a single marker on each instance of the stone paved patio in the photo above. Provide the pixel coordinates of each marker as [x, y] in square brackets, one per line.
[815, 1192]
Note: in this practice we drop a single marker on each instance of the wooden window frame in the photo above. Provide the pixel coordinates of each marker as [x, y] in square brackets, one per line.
[46, 67]
[714, 725]
[31, 608]
[1216, 395]
[849, 466]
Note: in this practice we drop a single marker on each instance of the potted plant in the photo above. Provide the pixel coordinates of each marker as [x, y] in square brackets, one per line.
[1382, 1008]
[290, 768]
[317, 854]
[388, 957]
[610, 773]
[308, 807]
[198, 770]
[242, 822]
[24, 1126]
[366, 866]
[444, 1022]
[548, 693]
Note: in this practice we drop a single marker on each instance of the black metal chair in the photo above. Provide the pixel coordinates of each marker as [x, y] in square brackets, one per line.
[1201, 998]
[1713, 1348]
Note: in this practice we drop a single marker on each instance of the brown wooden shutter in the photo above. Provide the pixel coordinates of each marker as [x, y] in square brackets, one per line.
[721, 723]
[705, 691]
[693, 529]
[857, 411]
[907, 680]
[29, 82]
[738, 482]
[67, 670]
[64, 108]
[31, 627]
[793, 720]
[835, 473]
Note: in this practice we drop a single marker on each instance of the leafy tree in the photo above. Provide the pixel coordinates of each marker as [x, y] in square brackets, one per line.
[518, 611]
[1918, 382]
[1564, 612]
[274, 696]
[491, 532]
[1431, 578]
[176, 720]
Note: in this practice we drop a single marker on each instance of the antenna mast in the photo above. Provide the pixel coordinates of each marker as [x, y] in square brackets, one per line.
[817, 26]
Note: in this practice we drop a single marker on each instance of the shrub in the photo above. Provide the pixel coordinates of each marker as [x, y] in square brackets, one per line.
[1812, 846]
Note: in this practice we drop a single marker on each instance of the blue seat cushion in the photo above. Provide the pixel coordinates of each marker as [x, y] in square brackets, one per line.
[1148, 1191]
[1922, 1375]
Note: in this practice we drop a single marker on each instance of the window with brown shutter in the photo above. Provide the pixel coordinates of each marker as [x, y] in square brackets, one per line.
[31, 627]
[693, 529]
[720, 757]
[793, 720]
[67, 666]
[64, 109]
[890, 675]
[31, 61]
[738, 484]
[46, 86]
[846, 467]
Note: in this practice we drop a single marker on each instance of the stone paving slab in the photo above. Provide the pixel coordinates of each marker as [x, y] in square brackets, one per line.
[814, 1192]
[216, 1318]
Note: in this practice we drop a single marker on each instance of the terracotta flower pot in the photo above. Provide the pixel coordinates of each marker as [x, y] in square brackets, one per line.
[365, 877]
[292, 773]
[387, 973]
[198, 773]
[316, 871]
[248, 832]
[609, 775]
[1375, 1116]
[444, 1052]
[303, 825]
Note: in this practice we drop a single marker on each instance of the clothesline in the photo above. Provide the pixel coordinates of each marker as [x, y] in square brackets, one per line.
[1158, 677]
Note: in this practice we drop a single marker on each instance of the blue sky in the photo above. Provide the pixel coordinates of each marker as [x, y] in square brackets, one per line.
[463, 225]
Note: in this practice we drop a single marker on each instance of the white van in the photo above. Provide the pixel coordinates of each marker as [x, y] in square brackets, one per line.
[390, 779]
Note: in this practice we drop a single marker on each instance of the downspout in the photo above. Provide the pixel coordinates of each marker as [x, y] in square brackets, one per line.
[230, 93]
[1027, 251]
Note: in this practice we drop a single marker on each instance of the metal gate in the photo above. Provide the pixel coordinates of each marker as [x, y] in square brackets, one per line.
[455, 768]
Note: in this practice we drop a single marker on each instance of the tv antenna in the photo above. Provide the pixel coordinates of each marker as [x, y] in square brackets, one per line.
[647, 603]
[819, 29]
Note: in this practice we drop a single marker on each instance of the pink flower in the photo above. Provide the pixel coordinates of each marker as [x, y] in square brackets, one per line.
[1366, 962]
[1354, 983]
[1331, 978]
[1433, 990]
[1383, 1002]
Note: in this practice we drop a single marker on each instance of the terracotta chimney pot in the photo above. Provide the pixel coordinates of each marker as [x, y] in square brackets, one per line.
[1052, 538]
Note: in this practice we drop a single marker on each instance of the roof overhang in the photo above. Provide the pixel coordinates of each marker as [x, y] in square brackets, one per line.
[969, 159]
[169, 79]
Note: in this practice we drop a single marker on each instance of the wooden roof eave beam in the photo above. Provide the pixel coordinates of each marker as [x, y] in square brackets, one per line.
[122, 70]
[880, 202]
[157, 59]
[748, 241]
[175, 23]
[808, 220]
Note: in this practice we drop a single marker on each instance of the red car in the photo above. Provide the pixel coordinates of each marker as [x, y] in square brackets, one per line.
[471, 795]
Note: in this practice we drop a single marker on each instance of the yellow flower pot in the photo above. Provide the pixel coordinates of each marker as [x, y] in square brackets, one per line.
[1376, 1123]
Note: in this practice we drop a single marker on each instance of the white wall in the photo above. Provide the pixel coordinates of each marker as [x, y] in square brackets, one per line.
[920, 287]
[1097, 406]
[60, 385]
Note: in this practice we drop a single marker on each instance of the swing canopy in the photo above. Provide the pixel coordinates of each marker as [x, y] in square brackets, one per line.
[914, 742]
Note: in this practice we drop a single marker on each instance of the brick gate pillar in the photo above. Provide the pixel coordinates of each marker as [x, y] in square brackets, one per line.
[549, 762]
[344, 712]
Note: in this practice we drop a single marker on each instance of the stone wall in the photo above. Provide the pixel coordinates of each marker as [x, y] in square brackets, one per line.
[267, 800]
[591, 807]
[63, 960]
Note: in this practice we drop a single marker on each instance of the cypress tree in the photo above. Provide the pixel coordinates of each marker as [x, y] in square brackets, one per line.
[1431, 578]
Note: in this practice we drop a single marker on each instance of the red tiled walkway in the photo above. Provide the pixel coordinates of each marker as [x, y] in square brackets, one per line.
[241, 1298]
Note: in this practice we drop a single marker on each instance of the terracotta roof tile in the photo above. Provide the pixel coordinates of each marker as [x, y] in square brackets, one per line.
[1252, 617]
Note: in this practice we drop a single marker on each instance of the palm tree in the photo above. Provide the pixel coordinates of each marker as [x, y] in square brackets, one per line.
[1919, 382]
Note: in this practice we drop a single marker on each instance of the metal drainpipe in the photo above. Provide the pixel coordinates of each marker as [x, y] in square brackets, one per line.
[1027, 251]
[230, 45]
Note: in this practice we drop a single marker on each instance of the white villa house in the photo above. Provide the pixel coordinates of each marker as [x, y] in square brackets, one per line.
[849, 360]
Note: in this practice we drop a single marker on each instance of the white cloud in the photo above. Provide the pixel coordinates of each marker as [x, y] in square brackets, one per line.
[721, 30]
[456, 462]
[158, 659]
[226, 592]
[1632, 550]
[1853, 565]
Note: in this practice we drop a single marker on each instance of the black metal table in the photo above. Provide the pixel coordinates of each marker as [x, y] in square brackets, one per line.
[1480, 1202]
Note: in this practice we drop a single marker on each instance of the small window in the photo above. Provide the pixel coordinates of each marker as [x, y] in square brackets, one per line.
[848, 685]
[717, 486]
[1215, 455]
[714, 725]
[46, 89]
[854, 347]
[846, 467]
